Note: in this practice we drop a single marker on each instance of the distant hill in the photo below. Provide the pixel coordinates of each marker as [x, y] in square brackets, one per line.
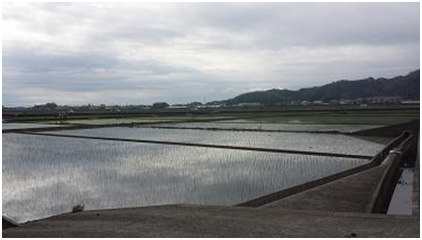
[406, 87]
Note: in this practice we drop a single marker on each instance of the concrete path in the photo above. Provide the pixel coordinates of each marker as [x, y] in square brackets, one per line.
[212, 221]
[401, 201]
[6, 223]
[355, 193]
[416, 184]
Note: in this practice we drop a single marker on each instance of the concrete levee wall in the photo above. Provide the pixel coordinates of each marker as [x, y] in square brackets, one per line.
[416, 184]
[309, 185]
[390, 131]
[8, 223]
[385, 189]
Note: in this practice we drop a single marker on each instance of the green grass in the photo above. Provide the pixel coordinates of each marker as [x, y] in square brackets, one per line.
[78, 208]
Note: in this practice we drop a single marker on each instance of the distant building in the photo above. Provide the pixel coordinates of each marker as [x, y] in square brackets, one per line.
[211, 106]
[345, 102]
[319, 103]
[293, 103]
[334, 102]
[143, 107]
[160, 105]
[47, 106]
[410, 102]
[178, 106]
[384, 100]
[305, 103]
[253, 104]
[113, 109]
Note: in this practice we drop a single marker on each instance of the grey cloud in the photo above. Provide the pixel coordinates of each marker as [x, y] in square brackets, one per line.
[180, 52]
[286, 24]
[40, 63]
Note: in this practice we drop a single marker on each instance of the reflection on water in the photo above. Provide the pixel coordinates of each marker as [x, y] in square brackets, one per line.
[346, 128]
[334, 143]
[26, 125]
[44, 176]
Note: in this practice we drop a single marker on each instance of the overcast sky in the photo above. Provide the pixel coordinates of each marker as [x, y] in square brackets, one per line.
[143, 53]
